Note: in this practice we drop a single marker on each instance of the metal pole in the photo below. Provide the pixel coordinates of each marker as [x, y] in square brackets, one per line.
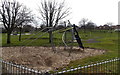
[52, 43]
[65, 34]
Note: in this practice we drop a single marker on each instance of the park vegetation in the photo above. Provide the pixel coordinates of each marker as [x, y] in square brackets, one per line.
[18, 19]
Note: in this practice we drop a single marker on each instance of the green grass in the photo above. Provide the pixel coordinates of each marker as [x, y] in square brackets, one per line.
[107, 41]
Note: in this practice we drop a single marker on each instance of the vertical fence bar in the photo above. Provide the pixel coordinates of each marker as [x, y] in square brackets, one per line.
[0, 68]
[30, 72]
[96, 67]
[87, 69]
[119, 65]
[6, 67]
[33, 72]
[116, 65]
[107, 66]
[3, 65]
[16, 70]
[10, 69]
[91, 68]
[20, 70]
[84, 69]
[27, 72]
[24, 70]
[104, 66]
[112, 65]
[13, 69]
[100, 67]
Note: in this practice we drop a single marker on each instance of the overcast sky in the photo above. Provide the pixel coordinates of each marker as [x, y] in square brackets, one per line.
[98, 11]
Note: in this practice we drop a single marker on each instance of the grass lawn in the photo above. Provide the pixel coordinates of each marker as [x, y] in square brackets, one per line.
[106, 40]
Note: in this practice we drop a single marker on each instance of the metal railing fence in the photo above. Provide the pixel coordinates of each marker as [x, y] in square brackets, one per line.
[101, 67]
[15, 69]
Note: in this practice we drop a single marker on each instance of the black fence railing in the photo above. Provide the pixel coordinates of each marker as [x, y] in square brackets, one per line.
[101, 67]
[14, 69]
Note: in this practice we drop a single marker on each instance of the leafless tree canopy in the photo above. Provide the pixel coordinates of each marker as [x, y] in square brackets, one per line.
[9, 14]
[110, 23]
[13, 14]
[52, 12]
[83, 22]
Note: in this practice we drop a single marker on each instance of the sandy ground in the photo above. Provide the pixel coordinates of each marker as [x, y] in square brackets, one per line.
[43, 58]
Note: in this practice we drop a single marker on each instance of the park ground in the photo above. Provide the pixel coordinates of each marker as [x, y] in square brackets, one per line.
[103, 42]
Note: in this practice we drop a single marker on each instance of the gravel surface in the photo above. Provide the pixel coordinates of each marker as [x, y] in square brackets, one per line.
[44, 58]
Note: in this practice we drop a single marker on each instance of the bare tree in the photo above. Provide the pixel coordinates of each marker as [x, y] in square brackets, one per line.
[83, 22]
[36, 23]
[10, 14]
[110, 23]
[25, 17]
[90, 25]
[51, 13]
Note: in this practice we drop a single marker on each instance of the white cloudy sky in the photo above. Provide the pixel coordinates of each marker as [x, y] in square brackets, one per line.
[98, 11]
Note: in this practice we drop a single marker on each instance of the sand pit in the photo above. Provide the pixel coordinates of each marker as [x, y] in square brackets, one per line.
[43, 58]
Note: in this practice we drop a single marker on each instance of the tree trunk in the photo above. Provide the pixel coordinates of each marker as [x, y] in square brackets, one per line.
[8, 37]
[50, 37]
[20, 34]
[84, 29]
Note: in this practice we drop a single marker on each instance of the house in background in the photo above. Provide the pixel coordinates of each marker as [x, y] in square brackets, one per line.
[117, 28]
[107, 27]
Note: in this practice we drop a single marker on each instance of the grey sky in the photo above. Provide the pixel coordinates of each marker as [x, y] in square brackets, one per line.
[98, 11]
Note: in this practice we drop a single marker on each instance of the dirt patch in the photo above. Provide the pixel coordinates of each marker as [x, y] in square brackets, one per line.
[43, 58]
